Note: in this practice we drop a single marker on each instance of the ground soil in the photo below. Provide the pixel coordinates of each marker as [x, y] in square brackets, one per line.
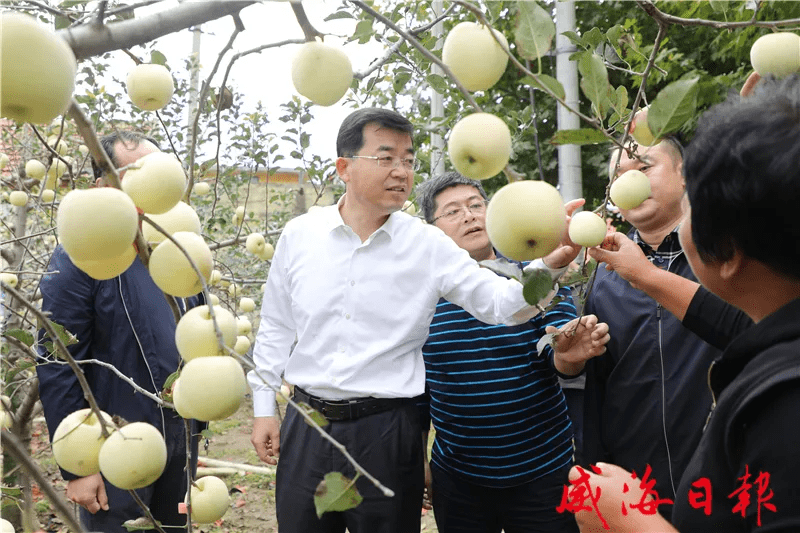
[252, 495]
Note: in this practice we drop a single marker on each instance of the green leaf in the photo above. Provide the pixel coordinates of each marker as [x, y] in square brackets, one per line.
[543, 80]
[22, 336]
[437, 83]
[140, 524]
[158, 58]
[339, 15]
[399, 81]
[581, 136]
[535, 30]
[66, 337]
[575, 38]
[363, 31]
[207, 433]
[315, 415]
[675, 105]
[336, 493]
[594, 81]
[62, 22]
[503, 267]
[537, 283]
[621, 102]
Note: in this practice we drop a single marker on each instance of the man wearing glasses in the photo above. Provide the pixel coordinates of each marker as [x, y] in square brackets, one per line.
[504, 440]
[357, 285]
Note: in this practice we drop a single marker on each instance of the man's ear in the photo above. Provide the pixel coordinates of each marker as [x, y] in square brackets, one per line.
[341, 168]
[730, 268]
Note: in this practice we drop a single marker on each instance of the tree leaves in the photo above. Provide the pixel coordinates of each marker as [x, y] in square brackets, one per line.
[535, 30]
[543, 80]
[594, 81]
[675, 105]
[336, 493]
[581, 137]
[537, 283]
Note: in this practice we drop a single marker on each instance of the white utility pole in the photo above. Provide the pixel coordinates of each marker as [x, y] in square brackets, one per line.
[437, 102]
[569, 155]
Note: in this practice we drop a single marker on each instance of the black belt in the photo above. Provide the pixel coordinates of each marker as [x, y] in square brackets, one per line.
[338, 410]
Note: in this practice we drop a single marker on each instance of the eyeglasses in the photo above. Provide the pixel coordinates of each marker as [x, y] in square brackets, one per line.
[476, 208]
[388, 161]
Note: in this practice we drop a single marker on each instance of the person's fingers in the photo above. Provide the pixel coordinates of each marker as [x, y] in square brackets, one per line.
[572, 205]
[102, 497]
[750, 84]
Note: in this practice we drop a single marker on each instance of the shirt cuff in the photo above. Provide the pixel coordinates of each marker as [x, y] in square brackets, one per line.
[555, 273]
[263, 403]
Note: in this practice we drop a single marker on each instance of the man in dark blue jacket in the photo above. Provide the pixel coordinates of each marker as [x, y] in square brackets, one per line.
[127, 323]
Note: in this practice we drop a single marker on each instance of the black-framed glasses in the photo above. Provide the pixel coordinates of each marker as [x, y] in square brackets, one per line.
[476, 208]
[389, 161]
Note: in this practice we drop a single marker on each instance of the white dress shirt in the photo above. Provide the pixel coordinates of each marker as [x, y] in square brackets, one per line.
[361, 311]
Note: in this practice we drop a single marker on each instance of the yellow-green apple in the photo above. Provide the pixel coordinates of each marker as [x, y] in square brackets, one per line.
[216, 277]
[6, 526]
[195, 335]
[83, 238]
[242, 345]
[59, 145]
[83, 149]
[238, 216]
[150, 86]
[243, 325]
[48, 195]
[630, 189]
[201, 188]
[182, 217]
[234, 291]
[479, 145]
[156, 182]
[56, 170]
[4, 160]
[255, 243]
[210, 388]
[247, 305]
[134, 456]
[474, 56]
[209, 499]
[6, 420]
[18, 198]
[4, 196]
[77, 441]
[109, 267]
[9, 279]
[267, 252]
[172, 271]
[213, 299]
[322, 73]
[776, 53]
[29, 53]
[587, 229]
[35, 169]
[526, 219]
[640, 130]
[410, 208]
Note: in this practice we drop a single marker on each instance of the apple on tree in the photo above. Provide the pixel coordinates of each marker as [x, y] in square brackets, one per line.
[182, 217]
[35, 169]
[77, 441]
[6, 420]
[201, 188]
[216, 277]
[238, 216]
[6, 526]
[134, 456]
[242, 345]
[195, 335]
[255, 243]
[526, 220]
[243, 325]
[82, 237]
[209, 388]
[59, 145]
[18, 198]
[4, 160]
[267, 252]
[410, 208]
[155, 182]
[209, 498]
[213, 299]
[247, 305]
[9, 279]
[640, 130]
[109, 267]
[321, 73]
[587, 229]
[776, 53]
[171, 270]
[28, 51]
[630, 189]
[479, 145]
[473, 55]
[48, 195]
[150, 86]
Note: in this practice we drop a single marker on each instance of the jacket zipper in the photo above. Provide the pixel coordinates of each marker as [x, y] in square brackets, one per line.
[713, 396]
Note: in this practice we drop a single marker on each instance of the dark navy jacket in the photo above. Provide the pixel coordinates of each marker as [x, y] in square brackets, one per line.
[647, 397]
[126, 322]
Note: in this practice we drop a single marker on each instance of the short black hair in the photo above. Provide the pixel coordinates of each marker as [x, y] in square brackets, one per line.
[742, 173]
[351, 132]
[428, 190]
[108, 142]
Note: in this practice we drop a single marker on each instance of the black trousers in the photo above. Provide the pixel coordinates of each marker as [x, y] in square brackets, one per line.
[463, 507]
[388, 445]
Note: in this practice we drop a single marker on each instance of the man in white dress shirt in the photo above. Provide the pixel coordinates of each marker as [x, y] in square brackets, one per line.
[356, 284]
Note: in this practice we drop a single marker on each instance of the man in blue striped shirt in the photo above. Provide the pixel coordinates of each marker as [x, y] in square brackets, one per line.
[504, 441]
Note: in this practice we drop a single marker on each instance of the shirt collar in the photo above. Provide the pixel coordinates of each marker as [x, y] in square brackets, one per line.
[333, 219]
[670, 244]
